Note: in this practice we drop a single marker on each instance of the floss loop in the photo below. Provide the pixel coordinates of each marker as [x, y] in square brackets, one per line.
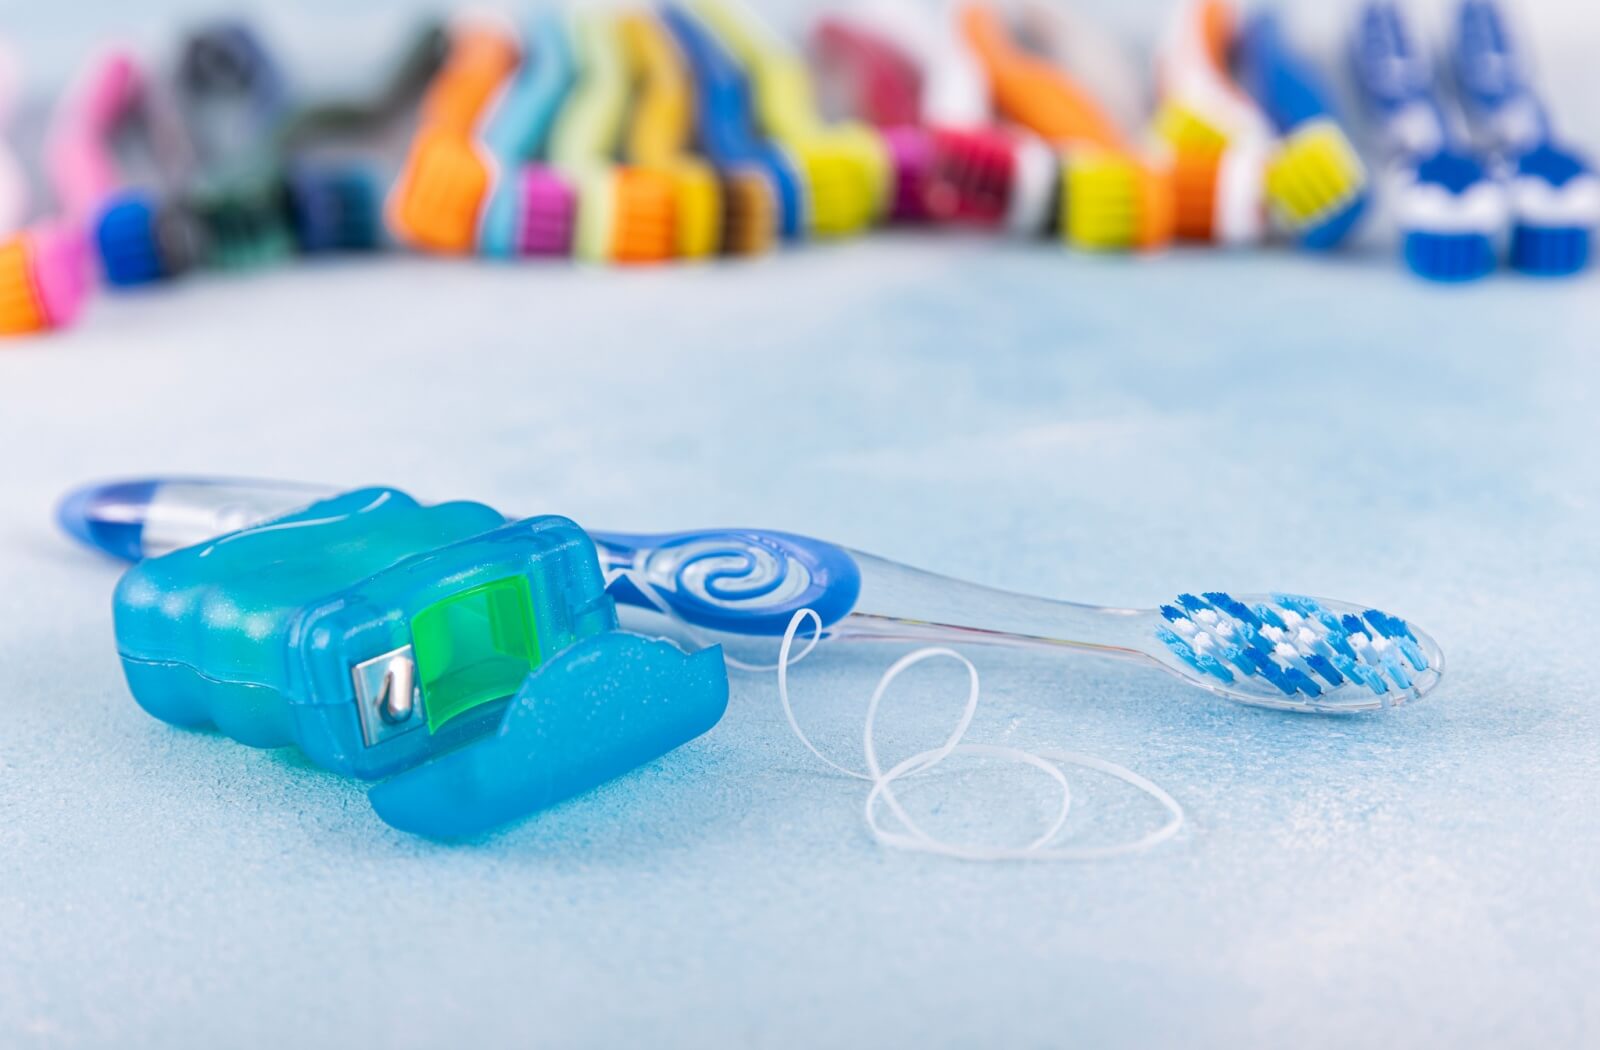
[911, 835]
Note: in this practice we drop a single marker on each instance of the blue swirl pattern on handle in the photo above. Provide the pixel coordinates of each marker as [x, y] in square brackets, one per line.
[742, 581]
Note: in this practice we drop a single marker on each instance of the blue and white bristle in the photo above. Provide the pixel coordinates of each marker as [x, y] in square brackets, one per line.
[1554, 191]
[1556, 202]
[1451, 214]
[1298, 645]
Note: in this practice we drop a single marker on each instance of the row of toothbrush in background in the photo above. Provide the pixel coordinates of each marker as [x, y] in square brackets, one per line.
[695, 130]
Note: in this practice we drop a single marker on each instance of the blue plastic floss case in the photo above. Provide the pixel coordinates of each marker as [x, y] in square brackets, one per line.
[470, 665]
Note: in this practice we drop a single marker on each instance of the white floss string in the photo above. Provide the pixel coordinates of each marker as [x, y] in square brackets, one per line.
[910, 835]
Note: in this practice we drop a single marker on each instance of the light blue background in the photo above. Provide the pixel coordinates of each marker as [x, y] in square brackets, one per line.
[1107, 430]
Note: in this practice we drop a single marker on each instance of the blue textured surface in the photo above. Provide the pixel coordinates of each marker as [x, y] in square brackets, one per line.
[1120, 431]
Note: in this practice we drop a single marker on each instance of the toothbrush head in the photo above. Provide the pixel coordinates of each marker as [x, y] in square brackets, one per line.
[1198, 145]
[1316, 184]
[125, 235]
[1450, 214]
[547, 212]
[434, 203]
[1297, 653]
[335, 208]
[141, 239]
[750, 212]
[246, 219]
[971, 175]
[44, 278]
[1111, 201]
[1218, 189]
[1555, 205]
[1195, 174]
[911, 157]
[697, 197]
[660, 131]
[644, 220]
[845, 177]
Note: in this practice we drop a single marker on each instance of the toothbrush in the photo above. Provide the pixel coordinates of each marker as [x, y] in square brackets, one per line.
[1111, 198]
[44, 264]
[971, 174]
[44, 277]
[624, 214]
[764, 197]
[129, 203]
[331, 149]
[530, 207]
[978, 172]
[1100, 61]
[1554, 191]
[868, 77]
[1316, 185]
[1219, 138]
[1278, 651]
[233, 96]
[434, 203]
[845, 167]
[1450, 210]
[660, 132]
[645, 226]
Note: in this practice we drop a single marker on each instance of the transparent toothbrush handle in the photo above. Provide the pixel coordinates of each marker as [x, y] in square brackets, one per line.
[902, 603]
[148, 517]
[751, 582]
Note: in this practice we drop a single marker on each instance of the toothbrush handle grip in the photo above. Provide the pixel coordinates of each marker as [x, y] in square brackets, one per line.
[740, 581]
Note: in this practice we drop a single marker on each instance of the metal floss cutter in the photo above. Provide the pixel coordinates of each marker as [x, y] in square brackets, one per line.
[470, 665]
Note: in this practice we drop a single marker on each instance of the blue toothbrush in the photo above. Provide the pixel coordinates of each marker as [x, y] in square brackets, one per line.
[1316, 185]
[1450, 210]
[1277, 651]
[1555, 194]
[726, 120]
